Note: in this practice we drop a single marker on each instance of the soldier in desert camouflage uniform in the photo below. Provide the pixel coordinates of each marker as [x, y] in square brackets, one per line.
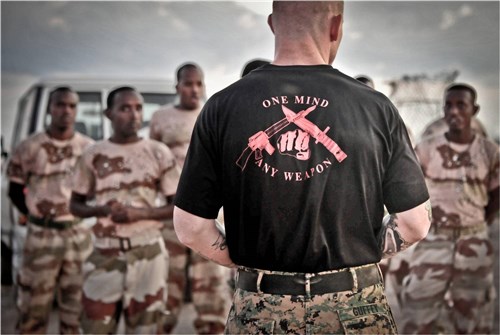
[56, 244]
[398, 266]
[127, 271]
[173, 125]
[449, 288]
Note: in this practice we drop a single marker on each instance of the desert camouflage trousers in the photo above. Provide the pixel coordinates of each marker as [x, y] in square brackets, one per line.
[52, 261]
[210, 292]
[449, 288]
[365, 311]
[131, 282]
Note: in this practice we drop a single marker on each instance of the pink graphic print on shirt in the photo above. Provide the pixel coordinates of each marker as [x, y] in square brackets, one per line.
[294, 143]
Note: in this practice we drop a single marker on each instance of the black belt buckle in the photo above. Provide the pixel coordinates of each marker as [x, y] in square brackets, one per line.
[125, 244]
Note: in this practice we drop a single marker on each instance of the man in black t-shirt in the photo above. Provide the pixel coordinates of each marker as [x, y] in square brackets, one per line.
[303, 159]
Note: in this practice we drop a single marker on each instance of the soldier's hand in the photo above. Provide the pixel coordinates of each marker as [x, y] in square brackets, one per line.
[118, 213]
[125, 214]
[295, 143]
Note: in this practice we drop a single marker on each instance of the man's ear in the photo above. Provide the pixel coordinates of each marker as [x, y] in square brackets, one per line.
[107, 113]
[335, 27]
[270, 22]
[476, 109]
[177, 88]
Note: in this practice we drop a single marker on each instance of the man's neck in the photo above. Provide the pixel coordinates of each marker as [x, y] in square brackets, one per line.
[285, 58]
[118, 139]
[301, 53]
[60, 134]
[186, 109]
[465, 136]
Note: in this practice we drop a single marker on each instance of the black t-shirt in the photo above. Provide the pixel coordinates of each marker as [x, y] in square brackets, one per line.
[292, 200]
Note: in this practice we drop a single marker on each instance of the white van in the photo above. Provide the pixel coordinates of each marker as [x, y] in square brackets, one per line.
[32, 117]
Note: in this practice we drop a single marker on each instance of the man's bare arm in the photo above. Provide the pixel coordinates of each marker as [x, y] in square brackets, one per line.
[78, 206]
[202, 236]
[119, 213]
[402, 230]
[491, 209]
[16, 195]
[126, 214]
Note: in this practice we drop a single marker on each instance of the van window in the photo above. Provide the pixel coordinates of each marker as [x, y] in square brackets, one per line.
[90, 115]
[25, 116]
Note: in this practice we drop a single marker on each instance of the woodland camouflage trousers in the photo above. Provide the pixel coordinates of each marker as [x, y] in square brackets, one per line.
[364, 311]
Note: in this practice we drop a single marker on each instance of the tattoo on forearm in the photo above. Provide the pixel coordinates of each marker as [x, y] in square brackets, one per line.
[391, 240]
[220, 243]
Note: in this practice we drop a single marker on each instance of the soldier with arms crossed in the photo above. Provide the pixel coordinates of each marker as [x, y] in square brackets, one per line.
[127, 271]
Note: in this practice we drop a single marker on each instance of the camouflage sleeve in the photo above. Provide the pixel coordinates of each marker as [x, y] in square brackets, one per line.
[17, 171]
[494, 171]
[83, 179]
[422, 154]
[153, 128]
[169, 170]
[88, 143]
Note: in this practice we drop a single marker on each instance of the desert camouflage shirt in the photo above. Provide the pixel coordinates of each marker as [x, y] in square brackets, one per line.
[459, 177]
[44, 165]
[133, 174]
[173, 127]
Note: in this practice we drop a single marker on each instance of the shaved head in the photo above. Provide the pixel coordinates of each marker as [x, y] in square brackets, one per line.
[307, 32]
[302, 17]
[308, 6]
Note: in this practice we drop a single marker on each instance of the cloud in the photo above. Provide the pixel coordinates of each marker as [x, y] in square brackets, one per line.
[356, 35]
[259, 7]
[163, 12]
[180, 25]
[59, 23]
[465, 10]
[247, 21]
[450, 17]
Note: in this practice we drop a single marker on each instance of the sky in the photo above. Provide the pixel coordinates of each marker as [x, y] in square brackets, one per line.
[385, 40]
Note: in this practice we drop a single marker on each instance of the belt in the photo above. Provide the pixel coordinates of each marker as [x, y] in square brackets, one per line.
[47, 222]
[126, 243]
[308, 283]
[456, 232]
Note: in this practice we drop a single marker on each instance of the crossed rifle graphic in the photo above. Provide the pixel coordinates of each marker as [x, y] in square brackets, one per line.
[260, 140]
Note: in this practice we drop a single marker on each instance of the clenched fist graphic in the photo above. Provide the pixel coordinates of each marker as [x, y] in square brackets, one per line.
[295, 143]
